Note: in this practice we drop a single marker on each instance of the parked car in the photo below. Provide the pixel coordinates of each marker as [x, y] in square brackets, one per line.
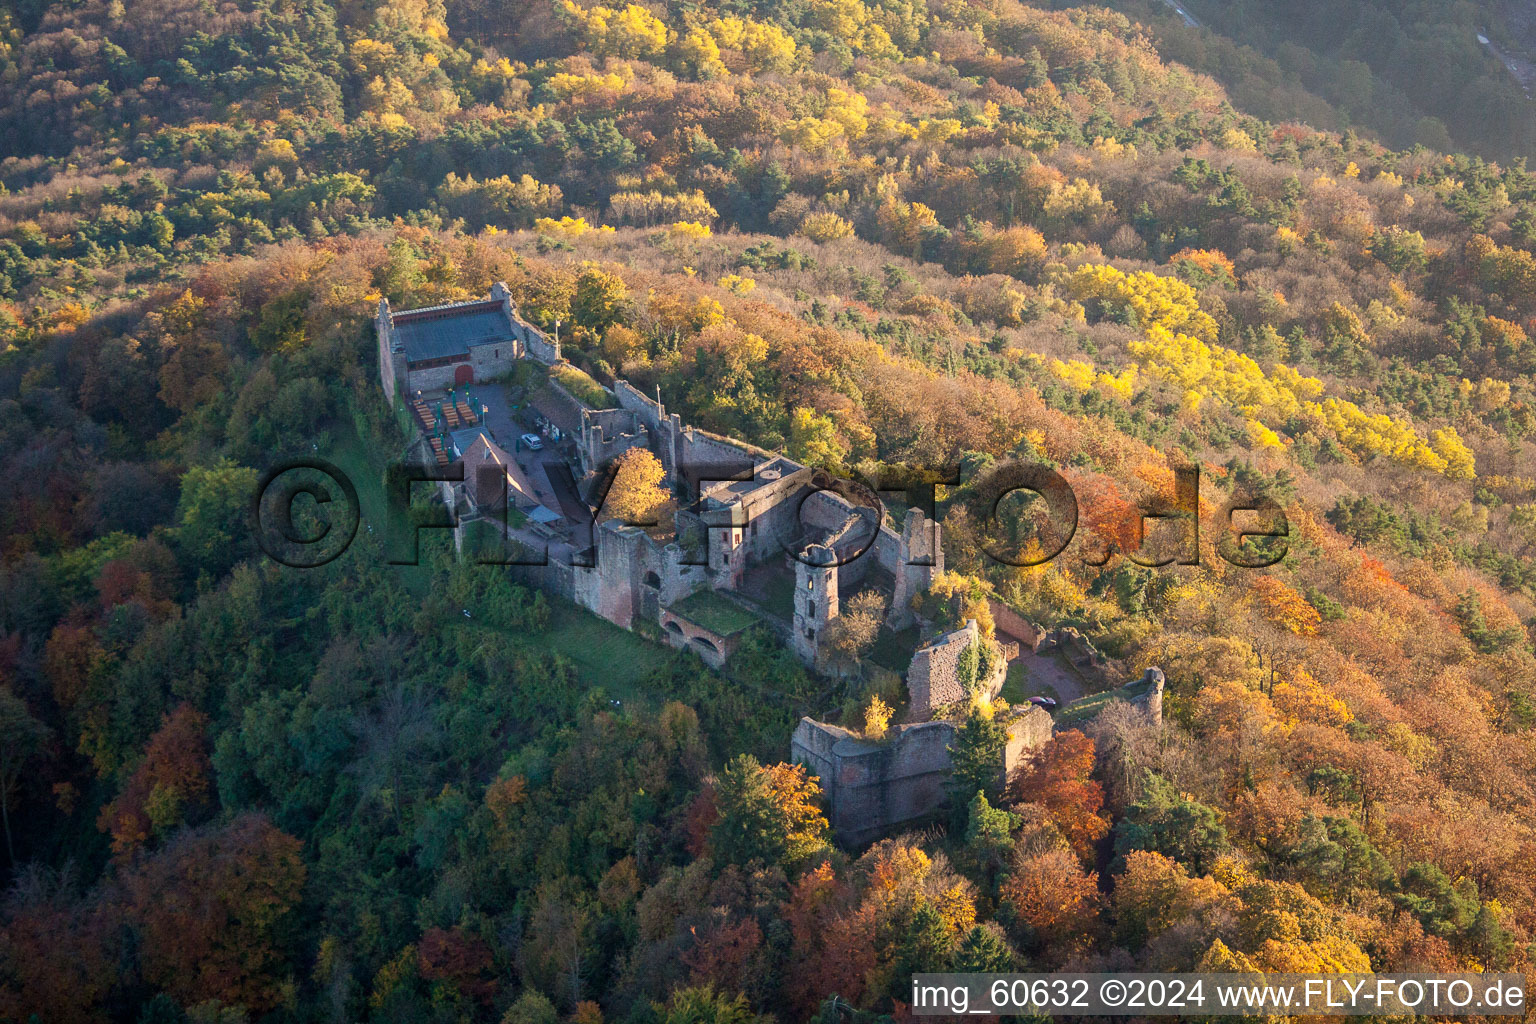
[1043, 702]
[533, 442]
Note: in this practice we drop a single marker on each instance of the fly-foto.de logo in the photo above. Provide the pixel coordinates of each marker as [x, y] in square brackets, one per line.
[306, 512]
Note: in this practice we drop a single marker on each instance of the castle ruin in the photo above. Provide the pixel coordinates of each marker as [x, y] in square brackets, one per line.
[755, 538]
[743, 512]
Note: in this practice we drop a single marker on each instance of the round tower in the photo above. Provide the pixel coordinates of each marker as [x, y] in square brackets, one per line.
[815, 599]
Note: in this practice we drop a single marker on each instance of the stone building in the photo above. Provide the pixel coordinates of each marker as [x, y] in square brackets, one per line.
[741, 512]
[874, 788]
[455, 344]
[493, 480]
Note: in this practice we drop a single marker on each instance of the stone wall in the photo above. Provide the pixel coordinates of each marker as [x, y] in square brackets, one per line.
[1015, 625]
[1078, 654]
[664, 429]
[873, 789]
[391, 361]
[679, 579]
[493, 360]
[607, 434]
[771, 514]
[1028, 728]
[1150, 699]
[567, 406]
[687, 635]
[934, 677]
[702, 447]
[534, 341]
[919, 558]
[433, 378]
[886, 551]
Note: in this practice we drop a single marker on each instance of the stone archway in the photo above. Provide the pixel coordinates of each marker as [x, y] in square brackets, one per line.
[463, 374]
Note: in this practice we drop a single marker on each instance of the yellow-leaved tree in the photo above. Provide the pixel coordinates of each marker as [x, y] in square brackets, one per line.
[637, 496]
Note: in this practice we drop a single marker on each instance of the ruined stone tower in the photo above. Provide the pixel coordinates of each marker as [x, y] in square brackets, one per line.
[920, 559]
[1151, 700]
[815, 599]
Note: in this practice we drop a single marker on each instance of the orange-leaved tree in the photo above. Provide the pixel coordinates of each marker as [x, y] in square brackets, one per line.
[1057, 778]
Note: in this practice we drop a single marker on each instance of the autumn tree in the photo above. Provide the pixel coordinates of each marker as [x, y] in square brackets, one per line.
[877, 719]
[600, 299]
[460, 962]
[814, 441]
[59, 954]
[853, 633]
[559, 944]
[636, 495]
[1054, 904]
[768, 814]
[214, 911]
[704, 1005]
[170, 785]
[1057, 778]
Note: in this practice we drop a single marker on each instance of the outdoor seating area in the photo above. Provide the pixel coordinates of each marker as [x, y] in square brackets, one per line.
[439, 451]
[441, 416]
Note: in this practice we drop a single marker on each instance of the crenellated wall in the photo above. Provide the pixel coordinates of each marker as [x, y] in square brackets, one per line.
[606, 434]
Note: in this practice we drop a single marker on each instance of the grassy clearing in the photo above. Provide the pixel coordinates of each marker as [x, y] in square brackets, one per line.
[366, 471]
[1080, 711]
[715, 614]
[604, 654]
[582, 387]
[1019, 686]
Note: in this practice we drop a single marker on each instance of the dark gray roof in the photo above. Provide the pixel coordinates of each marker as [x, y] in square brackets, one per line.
[450, 331]
[464, 437]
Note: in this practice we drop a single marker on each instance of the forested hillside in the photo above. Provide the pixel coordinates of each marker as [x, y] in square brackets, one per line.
[927, 232]
[1441, 75]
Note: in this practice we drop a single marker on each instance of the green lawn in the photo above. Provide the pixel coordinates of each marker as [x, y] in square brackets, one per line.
[1081, 710]
[714, 613]
[604, 654]
[1018, 687]
[367, 474]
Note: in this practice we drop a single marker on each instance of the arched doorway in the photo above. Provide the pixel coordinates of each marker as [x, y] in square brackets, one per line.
[463, 374]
